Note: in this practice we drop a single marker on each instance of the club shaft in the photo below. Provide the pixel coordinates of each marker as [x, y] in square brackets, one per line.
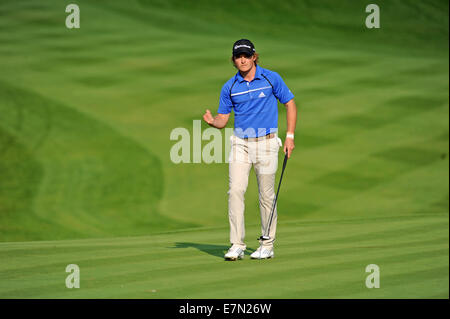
[276, 197]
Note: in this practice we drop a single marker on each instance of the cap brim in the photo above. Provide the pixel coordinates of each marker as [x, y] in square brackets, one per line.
[243, 51]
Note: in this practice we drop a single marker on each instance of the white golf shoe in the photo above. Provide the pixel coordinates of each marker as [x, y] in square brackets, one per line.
[234, 253]
[262, 253]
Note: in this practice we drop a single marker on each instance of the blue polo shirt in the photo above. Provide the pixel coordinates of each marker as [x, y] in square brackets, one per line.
[254, 103]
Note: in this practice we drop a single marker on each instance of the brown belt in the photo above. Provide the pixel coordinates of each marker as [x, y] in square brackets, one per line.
[254, 139]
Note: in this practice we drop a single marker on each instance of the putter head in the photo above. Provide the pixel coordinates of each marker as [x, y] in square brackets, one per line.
[264, 238]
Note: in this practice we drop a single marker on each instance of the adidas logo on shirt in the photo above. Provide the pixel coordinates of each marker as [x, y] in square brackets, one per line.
[261, 94]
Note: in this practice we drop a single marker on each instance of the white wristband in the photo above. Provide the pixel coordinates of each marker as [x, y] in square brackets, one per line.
[290, 135]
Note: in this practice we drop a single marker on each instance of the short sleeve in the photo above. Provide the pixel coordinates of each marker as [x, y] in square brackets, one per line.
[281, 91]
[225, 104]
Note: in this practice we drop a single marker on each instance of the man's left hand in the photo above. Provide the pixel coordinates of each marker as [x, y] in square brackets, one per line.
[288, 146]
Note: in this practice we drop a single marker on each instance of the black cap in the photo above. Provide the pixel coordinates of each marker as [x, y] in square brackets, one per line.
[243, 46]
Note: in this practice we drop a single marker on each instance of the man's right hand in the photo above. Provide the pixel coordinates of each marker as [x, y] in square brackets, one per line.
[220, 121]
[208, 118]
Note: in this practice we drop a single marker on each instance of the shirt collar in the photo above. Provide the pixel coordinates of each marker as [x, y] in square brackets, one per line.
[257, 74]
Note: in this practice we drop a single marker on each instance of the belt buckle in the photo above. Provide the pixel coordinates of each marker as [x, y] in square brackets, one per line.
[266, 137]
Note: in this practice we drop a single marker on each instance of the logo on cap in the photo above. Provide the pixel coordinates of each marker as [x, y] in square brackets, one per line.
[242, 45]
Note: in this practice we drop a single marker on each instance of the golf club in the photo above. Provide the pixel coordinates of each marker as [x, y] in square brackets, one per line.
[266, 235]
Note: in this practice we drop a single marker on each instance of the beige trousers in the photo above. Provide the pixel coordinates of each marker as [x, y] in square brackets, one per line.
[263, 156]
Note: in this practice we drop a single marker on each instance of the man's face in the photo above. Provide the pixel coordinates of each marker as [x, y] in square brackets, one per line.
[244, 62]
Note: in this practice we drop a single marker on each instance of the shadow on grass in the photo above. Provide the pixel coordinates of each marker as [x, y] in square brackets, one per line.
[213, 250]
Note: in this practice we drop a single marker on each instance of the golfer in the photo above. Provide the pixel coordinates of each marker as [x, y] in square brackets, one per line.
[253, 93]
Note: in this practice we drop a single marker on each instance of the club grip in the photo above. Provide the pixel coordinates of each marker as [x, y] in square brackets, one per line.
[285, 160]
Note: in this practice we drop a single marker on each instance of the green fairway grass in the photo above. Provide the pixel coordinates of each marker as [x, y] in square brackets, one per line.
[85, 170]
[325, 259]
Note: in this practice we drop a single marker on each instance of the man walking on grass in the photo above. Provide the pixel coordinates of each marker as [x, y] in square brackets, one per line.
[253, 93]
